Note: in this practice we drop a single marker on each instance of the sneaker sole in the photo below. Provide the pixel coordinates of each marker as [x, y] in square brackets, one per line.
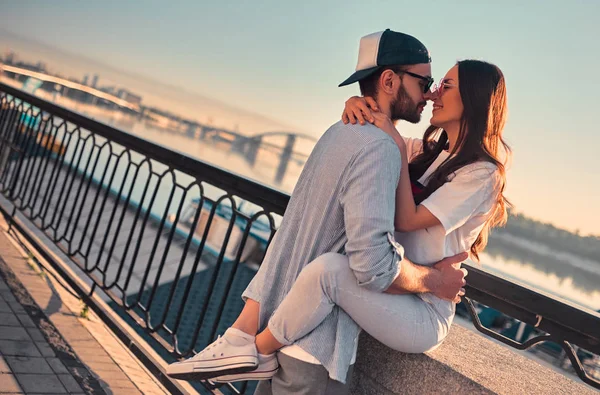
[245, 376]
[197, 374]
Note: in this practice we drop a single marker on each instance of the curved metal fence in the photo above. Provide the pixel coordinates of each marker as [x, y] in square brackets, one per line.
[172, 242]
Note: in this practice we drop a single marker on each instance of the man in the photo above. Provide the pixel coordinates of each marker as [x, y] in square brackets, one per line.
[345, 201]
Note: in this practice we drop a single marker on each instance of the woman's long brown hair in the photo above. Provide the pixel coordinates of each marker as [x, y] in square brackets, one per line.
[483, 93]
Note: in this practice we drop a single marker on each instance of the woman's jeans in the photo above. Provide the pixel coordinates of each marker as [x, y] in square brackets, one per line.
[405, 323]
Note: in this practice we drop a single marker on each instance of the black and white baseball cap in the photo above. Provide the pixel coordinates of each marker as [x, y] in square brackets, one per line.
[387, 48]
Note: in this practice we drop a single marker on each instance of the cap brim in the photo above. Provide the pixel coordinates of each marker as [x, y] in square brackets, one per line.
[359, 75]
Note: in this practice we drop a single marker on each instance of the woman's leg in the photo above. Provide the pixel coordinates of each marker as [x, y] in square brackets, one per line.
[247, 321]
[235, 351]
[402, 322]
[232, 353]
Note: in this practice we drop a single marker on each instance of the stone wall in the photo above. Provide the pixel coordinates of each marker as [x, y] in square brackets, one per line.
[466, 363]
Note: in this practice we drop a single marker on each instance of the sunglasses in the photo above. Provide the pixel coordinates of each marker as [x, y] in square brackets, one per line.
[438, 89]
[428, 80]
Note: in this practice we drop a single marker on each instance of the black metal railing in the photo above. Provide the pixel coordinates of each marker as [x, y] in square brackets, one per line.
[171, 241]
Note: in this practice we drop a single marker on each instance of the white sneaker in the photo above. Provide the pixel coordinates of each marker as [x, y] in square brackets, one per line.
[265, 371]
[219, 358]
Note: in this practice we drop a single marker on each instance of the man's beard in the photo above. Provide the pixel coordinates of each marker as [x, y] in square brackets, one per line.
[404, 108]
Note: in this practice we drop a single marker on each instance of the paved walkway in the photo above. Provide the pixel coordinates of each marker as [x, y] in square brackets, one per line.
[29, 364]
[50, 349]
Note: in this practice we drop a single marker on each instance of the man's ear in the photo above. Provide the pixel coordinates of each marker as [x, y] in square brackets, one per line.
[387, 81]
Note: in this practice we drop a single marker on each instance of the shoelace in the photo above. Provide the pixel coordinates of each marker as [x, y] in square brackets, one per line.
[212, 345]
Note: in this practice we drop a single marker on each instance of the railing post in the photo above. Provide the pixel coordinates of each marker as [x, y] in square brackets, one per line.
[11, 218]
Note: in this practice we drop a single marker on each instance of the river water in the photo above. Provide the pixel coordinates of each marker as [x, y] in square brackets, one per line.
[562, 275]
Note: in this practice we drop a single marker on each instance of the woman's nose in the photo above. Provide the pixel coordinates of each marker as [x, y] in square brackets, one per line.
[430, 95]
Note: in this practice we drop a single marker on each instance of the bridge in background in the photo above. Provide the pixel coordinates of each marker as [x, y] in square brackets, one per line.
[250, 146]
[247, 146]
[71, 85]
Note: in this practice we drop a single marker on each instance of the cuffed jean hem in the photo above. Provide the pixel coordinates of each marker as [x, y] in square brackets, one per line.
[278, 334]
[250, 295]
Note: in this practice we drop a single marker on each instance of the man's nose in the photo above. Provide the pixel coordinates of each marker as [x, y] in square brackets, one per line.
[430, 95]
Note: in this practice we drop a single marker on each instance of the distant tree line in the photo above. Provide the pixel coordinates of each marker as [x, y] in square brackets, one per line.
[550, 235]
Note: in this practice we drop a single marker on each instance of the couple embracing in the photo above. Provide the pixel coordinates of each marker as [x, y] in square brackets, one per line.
[376, 228]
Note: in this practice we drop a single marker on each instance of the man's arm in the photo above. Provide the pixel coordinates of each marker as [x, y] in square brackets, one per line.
[367, 198]
[445, 279]
[414, 279]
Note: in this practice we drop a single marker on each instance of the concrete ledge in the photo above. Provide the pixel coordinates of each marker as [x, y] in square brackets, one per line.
[465, 363]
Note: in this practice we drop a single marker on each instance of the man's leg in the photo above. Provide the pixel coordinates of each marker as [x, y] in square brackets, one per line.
[296, 377]
[337, 387]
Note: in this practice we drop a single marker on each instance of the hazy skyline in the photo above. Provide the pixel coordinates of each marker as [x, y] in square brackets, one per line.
[284, 61]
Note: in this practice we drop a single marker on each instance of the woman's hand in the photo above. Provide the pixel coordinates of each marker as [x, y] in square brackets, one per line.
[384, 123]
[359, 109]
[365, 109]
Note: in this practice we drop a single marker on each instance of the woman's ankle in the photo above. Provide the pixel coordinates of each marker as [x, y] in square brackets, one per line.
[247, 321]
[266, 343]
[238, 337]
[249, 330]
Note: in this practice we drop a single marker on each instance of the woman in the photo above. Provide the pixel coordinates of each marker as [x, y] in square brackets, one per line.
[447, 200]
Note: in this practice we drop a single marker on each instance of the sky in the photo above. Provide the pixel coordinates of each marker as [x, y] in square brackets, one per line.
[283, 61]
